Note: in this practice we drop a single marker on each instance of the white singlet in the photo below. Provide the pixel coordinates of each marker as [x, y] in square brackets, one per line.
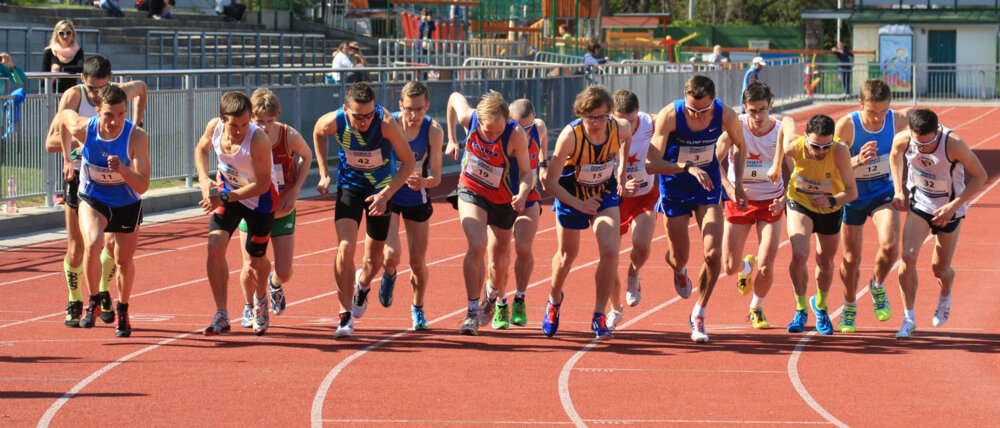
[236, 169]
[934, 180]
[760, 156]
[635, 167]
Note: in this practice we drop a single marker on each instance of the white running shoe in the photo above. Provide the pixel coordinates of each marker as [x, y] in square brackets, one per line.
[941, 313]
[615, 318]
[260, 319]
[360, 301]
[698, 329]
[486, 308]
[682, 283]
[906, 330]
[247, 320]
[633, 294]
[471, 324]
[346, 326]
[220, 324]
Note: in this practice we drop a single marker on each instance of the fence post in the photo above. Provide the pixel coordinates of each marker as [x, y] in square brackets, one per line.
[189, 131]
[176, 36]
[50, 166]
[297, 81]
[913, 83]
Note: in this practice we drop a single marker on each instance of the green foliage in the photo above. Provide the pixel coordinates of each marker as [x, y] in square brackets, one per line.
[726, 12]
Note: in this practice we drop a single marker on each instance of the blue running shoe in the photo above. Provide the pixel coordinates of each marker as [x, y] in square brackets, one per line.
[823, 324]
[277, 296]
[419, 320]
[600, 326]
[550, 323]
[798, 324]
[385, 290]
[247, 320]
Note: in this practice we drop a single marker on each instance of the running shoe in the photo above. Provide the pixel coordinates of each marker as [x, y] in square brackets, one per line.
[88, 320]
[823, 324]
[501, 316]
[879, 302]
[846, 323]
[360, 302]
[470, 326]
[346, 326]
[550, 324]
[73, 312]
[385, 290]
[518, 312]
[698, 329]
[600, 326]
[615, 318]
[906, 330]
[260, 318]
[757, 319]
[219, 325]
[124, 328]
[247, 320]
[107, 314]
[277, 296]
[419, 320]
[941, 313]
[634, 292]
[486, 308]
[744, 283]
[682, 283]
[798, 324]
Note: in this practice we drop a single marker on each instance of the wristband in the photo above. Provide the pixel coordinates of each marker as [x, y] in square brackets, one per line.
[543, 164]
[833, 201]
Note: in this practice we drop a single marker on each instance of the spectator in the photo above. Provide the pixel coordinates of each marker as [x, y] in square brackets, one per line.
[63, 54]
[426, 27]
[592, 57]
[753, 74]
[341, 59]
[359, 60]
[114, 7]
[845, 57]
[9, 71]
[160, 9]
[564, 37]
[716, 56]
[231, 10]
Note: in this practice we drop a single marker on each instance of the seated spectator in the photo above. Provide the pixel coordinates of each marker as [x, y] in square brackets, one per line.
[592, 57]
[716, 56]
[158, 9]
[231, 10]
[359, 60]
[114, 7]
[63, 54]
[341, 59]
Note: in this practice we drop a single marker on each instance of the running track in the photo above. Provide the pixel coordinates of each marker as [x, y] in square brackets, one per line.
[650, 373]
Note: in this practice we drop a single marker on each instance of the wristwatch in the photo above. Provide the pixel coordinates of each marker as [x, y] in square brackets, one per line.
[688, 165]
[224, 197]
[833, 201]
[543, 164]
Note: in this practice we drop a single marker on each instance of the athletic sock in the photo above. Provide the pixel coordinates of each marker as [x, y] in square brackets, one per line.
[800, 303]
[519, 294]
[697, 311]
[107, 269]
[821, 299]
[945, 299]
[874, 285]
[909, 315]
[73, 275]
[853, 304]
[746, 268]
[491, 293]
[416, 308]
[757, 301]
[474, 306]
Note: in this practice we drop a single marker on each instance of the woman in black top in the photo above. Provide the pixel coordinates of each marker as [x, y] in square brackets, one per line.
[63, 54]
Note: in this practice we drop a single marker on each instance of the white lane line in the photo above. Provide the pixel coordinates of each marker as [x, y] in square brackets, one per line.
[623, 369]
[793, 360]
[594, 421]
[39, 379]
[316, 414]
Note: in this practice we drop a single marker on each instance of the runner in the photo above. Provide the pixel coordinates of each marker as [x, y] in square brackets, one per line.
[247, 192]
[411, 201]
[370, 146]
[683, 153]
[584, 177]
[84, 99]
[820, 184]
[496, 149]
[936, 193]
[869, 133]
[114, 171]
[286, 144]
[764, 137]
[638, 202]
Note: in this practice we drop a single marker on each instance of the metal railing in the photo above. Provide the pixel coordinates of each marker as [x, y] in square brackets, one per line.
[546, 56]
[26, 44]
[209, 49]
[446, 53]
[910, 81]
[501, 70]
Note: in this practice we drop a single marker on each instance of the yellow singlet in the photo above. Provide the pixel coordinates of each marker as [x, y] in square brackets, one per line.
[814, 177]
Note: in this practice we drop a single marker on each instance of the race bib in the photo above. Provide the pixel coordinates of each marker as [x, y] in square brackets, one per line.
[756, 171]
[929, 183]
[482, 172]
[875, 168]
[593, 175]
[637, 171]
[697, 155]
[104, 176]
[813, 187]
[364, 160]
[279, 175]
[235, 178]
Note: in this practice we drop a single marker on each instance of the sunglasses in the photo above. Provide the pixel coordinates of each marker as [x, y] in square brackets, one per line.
[761, 112]
[816, 146]
[921, 143]
[66, 33]
[528, 128]
[92, 88]
[696, 110]
[411, 110]
[361, 117]
[595, 119]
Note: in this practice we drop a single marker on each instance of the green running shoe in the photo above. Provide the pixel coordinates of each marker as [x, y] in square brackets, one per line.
[519, 315]
[846, 323]
[501, 317]
[879, 302]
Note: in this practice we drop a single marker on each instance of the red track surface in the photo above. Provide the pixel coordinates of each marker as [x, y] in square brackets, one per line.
[650, 373]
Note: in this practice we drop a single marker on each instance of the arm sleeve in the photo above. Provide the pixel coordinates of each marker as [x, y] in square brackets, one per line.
[47, 60]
